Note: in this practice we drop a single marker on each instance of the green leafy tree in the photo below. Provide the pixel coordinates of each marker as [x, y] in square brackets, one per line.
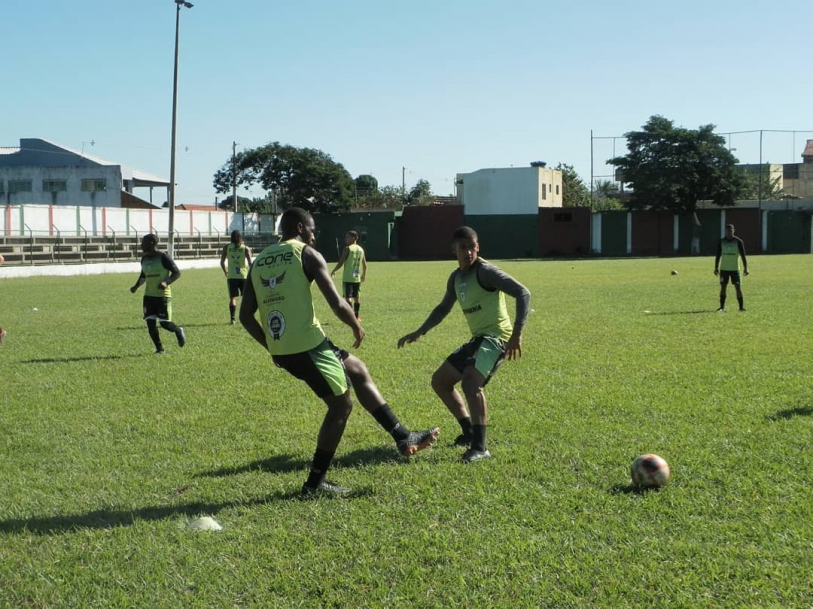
[303, 177]
[672, 168]
[365, 184]
[574, 192]
[761, 185]
[228, 203]
[420, 194]
[606, 196]
[388, 197]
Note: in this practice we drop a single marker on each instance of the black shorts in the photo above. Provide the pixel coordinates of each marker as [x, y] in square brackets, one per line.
[483, 353]
[322, 368]
[351, 289]
[158, 307]
[235, 287]
[734, 276]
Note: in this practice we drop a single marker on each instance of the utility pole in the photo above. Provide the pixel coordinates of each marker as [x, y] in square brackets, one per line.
[234, 180]
[403, 180]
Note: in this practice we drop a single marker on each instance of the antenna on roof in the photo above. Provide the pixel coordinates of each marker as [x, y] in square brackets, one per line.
[91, 142]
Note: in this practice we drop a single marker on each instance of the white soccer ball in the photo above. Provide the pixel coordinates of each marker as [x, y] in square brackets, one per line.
[650, 471]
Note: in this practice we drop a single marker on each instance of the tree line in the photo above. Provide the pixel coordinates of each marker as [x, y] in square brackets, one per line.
[666, 168]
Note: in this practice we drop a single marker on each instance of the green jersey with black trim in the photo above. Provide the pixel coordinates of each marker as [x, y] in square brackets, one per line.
[352, 265]
[236, 256]
[485, 310]
[729, 255]
[155, 271]
[284, 299]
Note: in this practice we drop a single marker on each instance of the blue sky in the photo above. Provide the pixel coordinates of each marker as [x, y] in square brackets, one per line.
[437, 86]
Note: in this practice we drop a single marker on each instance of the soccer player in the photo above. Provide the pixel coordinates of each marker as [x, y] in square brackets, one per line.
[479, 287]
[355, 269]
[158, 271]
[279, 285]
[727, 265]
[238, 255]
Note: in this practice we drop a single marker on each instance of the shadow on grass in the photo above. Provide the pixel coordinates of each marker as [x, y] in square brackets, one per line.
[281, 464]
[111, 518]
[86, 358]
[801, 411]
[680, 312]
[631, 489]
[182, 325]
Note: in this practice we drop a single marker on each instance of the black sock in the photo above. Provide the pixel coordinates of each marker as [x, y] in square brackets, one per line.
[356, 307]
[232, 309]
[465, 425]
[319, 467]
[478, 441]
[387, 419]
[152, 328]
[740, 300]
[168, 325]
[722, 302]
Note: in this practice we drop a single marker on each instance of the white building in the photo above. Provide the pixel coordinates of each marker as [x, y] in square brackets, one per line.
[41, 172]
[510, 190]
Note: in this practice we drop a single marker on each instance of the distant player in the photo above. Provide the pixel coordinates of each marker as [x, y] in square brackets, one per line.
[355, 270]
[158, 271]
[238, 256]
[479, 287]
[279, 285]
[727, 265]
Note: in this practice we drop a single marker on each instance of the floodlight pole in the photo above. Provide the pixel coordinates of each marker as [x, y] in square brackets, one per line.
[171, 241]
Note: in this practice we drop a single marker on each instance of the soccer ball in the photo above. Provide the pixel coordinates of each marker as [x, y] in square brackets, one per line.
[674, 272]
[2, 335]
[649, 471]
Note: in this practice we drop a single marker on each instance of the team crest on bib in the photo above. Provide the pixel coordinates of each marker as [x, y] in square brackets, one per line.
[272, 282]
[275, 324]
[461, 294]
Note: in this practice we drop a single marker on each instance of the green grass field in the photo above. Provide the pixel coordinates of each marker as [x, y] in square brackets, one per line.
[109, 451]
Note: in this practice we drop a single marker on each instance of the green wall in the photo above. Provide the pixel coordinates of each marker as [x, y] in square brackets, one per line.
[506, 236]
[373, 229]
[788, 232]
[613, 233]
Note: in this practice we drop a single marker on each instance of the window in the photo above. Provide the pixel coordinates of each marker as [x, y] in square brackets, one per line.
[19, 186]
[790, 172]
[557, 189]
[563, 217]
[93, 185]
[54, 185]
[544, 192]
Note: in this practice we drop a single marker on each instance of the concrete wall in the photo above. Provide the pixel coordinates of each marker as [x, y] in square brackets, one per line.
[563, 231]
[52, 220]
[425, 233]
[73, 176]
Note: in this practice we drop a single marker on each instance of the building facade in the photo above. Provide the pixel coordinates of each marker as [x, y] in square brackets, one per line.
[44, 173]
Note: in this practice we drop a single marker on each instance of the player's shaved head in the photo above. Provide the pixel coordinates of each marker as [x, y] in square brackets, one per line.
[290, 219]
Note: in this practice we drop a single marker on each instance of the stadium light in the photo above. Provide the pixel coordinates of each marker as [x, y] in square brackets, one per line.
[171, 246]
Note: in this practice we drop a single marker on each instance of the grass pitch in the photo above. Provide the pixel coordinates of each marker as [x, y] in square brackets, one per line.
[109, 451]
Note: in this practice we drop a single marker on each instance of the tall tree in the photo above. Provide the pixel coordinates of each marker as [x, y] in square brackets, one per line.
[420, 194]
[303, 177]
[672, 168]
[761, 184]
[574, 192]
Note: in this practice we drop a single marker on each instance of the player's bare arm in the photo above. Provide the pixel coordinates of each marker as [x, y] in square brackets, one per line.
[341, 261]
[316, 267]
[437, 315]
[248, 308]
[223, 261]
